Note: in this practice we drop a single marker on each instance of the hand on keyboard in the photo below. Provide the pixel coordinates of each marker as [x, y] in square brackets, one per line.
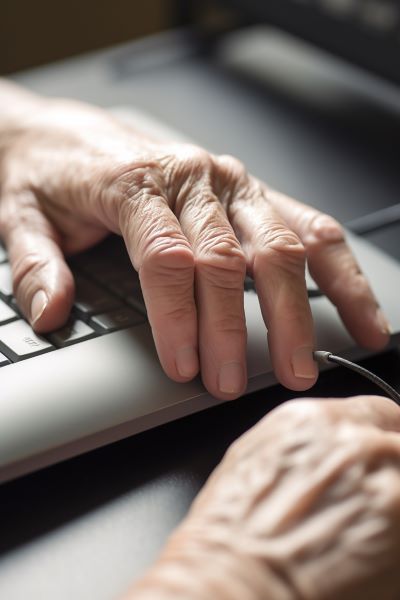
[193, 224]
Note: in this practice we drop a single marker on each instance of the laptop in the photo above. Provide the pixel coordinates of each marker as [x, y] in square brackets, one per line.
[98, 380]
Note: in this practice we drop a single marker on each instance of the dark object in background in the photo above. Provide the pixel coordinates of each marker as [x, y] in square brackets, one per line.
[40, 31]
[366, 32]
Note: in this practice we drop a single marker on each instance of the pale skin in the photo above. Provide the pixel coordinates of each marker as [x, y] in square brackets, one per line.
[306, 505]
[194, 223]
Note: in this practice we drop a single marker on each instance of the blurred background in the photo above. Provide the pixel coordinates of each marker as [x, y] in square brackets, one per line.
[33, 33]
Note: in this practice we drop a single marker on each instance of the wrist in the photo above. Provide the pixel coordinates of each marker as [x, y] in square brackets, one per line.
[197, 568]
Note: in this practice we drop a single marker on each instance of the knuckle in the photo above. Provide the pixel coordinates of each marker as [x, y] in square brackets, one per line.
[120, 191]
[232, 180]
[281, 248]
[323, 230]
[231, 324]
[231, 165]
[192, 155]
[191, 163]
[222, 263]
[388, 485]
[168, 256]
[131, 179]
[173, 308]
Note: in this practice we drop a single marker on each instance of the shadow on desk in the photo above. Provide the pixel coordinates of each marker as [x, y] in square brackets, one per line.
[186, 449]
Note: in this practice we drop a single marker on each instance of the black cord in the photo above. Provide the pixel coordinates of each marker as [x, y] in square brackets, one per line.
[321, 356]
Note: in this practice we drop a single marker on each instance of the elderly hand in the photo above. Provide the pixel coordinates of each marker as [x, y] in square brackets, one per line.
[304, 505]
[193, 224]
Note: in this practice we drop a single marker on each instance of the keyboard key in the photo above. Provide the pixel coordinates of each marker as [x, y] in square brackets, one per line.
[6, 286]
[18, 341]
[130, 291]
[106, 261]
[137, 302]
[125, 286]
[14, 305]
[112, 271]
[74, 331]
[3, 360]
[6, 313]
[117, 319]
[91, 299]
[3, 254]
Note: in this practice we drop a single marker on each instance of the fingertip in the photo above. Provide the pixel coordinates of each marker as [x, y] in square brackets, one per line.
[176, 348]
[383, 329]
[296, 382]
[50, 306]
[226, 381]
[39, 303]
[369, 327]
[293, 365]
[187, 362]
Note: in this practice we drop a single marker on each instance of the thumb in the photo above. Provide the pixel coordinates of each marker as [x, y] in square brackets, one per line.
[42, 282]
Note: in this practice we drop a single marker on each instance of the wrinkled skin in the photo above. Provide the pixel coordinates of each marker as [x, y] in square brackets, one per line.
[304, 505]
[193, 224]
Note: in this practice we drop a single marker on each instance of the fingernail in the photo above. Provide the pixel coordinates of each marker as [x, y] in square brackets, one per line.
[231, 378]
[39, 303]
[303, 363]
[383, 323]
[187, 361]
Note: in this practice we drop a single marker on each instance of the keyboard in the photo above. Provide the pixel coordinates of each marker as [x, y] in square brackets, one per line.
[108, 298]
[98, 379]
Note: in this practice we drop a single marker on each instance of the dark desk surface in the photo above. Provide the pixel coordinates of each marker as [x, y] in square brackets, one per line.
[309, 126]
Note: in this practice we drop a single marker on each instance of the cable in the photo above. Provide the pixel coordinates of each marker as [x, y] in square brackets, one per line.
[323, 357]
[375, 221]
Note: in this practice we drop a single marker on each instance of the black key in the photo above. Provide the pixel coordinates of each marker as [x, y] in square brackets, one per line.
[7, 314]
[120, 318]
[74, 331]
[91, 299]
[18, 341]
[14, 305]
[124, 285]
[130, 291]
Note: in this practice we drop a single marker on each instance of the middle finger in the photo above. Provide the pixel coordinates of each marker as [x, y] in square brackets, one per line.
[219, 276]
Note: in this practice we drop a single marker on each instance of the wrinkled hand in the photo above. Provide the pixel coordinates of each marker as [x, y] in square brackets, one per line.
[305, 505]
[193, 224]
